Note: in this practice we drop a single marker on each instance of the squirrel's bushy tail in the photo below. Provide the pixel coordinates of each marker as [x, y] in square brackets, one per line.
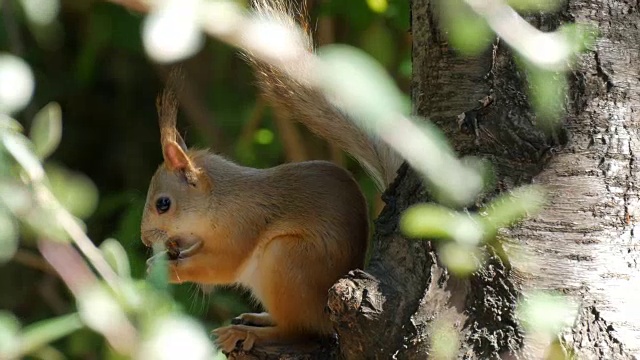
[306, 104]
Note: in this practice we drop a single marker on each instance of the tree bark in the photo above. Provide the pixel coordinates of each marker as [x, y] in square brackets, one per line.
[585, 242]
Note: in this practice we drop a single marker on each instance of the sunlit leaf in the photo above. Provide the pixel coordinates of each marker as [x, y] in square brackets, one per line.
[8, 235]
[171, 32]
[40, 334]
[46, 130]
[445, 340]
[117, 257]
[546, 313]
[356, 80]
[514, 206]
[466, 31]
[16, 83]
[378, 6]
[173, 336]
[75, 191]
[264, 136]
[437, 222]
[460, 259]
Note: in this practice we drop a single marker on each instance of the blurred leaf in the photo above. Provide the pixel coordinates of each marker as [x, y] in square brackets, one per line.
[15, 197]
[536, 5]
[466, 31]
[8, 123]
[48, 353]
[264, 136]
[46, 130]
[16, 83]
[548, 91]
[460, 259]
[546, 313]
[117, 257]
[100, 310]
[173, 336]
[378, 41]
[40, 334]
[41, 12]
[8, 235]
[445, 340]
[378, 6]
[157, 275]
[510, 208]
[21, 150]
[9, 334]
[362, 85]
[171, 32]
[75, 191]
[438, 222]
[581, 36]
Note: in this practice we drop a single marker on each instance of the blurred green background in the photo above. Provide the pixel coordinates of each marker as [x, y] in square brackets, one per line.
[90, 60]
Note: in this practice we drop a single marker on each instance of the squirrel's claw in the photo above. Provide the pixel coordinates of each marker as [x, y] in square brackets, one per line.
[229, 336]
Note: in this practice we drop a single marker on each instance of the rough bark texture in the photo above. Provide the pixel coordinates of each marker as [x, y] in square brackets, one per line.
[584, 244]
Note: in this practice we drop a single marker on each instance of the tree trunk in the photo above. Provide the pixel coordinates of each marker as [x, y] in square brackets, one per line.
[583, 244]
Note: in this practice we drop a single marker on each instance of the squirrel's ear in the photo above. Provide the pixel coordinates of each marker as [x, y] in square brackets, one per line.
[176, 159]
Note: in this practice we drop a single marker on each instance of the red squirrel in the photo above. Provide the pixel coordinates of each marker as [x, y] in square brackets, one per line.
[287, 233]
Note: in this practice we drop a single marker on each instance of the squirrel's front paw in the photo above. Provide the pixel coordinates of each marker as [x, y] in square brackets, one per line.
[229, 336]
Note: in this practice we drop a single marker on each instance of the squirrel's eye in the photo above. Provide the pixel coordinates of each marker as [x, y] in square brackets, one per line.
[163, 204]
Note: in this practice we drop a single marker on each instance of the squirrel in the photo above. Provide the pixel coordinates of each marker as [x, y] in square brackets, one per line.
[286, 233]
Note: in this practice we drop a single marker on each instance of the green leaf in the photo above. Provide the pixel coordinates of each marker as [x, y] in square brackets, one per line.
[460, 259]
[20, 148]
[40, 334]
[46, 130]
[467, 31]
[8, 236]
[116, 255]
[160, 339]
[379, 42]
[437, 222]
[362, 85]
[9, 334]
[546, 313]
[508, 209]
[8, 123]
[378, 6]
[75, 191]
[158, 276]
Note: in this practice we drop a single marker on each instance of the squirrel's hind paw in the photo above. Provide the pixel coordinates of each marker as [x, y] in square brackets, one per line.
[229, 336]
